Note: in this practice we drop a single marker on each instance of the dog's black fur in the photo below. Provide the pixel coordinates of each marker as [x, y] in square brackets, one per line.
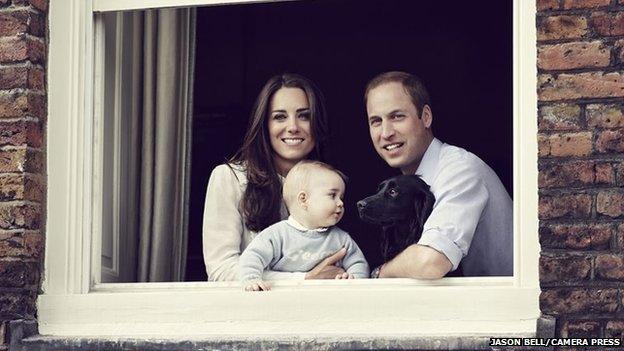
[401, 206]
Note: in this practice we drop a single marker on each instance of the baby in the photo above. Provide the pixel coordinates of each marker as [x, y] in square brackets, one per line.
[313, 192]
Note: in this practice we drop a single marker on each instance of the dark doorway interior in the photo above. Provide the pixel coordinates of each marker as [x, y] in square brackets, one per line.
[461, 49]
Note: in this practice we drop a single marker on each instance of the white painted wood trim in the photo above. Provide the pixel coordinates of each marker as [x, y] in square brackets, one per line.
[328, 309]
[99, 88]
[125, 5]
[69, 146]
[72, 304]
[526, 240]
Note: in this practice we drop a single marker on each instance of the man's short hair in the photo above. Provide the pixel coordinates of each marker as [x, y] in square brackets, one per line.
[299, 176]
[413, 86]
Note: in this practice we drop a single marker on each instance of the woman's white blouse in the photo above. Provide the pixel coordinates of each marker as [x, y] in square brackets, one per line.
[225, 235]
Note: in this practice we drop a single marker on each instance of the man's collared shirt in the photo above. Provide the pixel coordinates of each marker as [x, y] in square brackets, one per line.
[472, 219]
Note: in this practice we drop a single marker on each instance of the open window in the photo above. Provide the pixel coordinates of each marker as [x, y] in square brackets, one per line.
[236, 50]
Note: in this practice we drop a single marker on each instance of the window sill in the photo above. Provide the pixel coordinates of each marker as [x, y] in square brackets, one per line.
[384, 308]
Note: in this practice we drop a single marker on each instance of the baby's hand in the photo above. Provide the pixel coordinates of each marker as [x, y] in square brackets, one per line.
[345, 275]
[257, 285]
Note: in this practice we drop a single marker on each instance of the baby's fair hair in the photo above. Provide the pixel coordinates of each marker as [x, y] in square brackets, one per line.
[298, 178]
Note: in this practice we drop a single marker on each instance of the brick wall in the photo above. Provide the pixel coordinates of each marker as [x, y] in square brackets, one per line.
[580, 63]
[22, 150]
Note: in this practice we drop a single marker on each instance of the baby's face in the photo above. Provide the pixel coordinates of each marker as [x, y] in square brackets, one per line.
[325, 195]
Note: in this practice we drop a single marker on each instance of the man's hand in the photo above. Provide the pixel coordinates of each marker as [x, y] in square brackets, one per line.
[257, 285]
[326, 269]
[417, 261]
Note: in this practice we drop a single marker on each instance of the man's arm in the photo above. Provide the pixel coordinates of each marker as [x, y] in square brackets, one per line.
[417, 261]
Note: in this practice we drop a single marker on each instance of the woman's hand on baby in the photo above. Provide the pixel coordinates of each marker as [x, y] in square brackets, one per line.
[326, 269]
[257, 285]
[345, 275]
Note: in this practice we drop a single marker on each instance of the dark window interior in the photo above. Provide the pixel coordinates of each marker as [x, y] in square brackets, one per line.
[461, 49]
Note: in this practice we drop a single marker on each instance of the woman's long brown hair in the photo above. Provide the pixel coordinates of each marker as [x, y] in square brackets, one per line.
[262, 199]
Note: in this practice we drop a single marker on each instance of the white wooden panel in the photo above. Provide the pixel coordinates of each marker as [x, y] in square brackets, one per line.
[381, 306]
[125, 5]
[69, 148]
[526, 241]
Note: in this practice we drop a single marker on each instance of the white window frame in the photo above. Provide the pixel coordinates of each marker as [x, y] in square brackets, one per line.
[74, 303]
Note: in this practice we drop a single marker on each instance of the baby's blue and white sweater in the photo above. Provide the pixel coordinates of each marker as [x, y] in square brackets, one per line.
[289, 247]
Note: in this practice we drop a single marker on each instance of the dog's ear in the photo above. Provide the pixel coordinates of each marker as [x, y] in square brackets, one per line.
[423, 205]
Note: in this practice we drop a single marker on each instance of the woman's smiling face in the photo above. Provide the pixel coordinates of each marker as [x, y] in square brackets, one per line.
[289, 128]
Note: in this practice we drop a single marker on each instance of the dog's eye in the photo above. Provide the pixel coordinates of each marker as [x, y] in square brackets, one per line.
[393, 192]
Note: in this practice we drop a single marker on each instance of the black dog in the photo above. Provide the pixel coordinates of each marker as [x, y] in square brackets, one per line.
[401, 206]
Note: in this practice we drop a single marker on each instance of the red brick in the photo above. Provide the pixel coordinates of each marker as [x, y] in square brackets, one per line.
[605, 173]
[22, 49]
[609, 266]
[566, 144]
[619, 51]
[577, 4]
[14, 22]
[20, 187]
[619, 233]
[18, 305]
[573, 55]
[610, 141]
[20, 245]
[567, 174]
[581, 85]
[13, 77]
[610, 203]
[22, 133]
[608, 24]
[605, 116]
[547, 5]
[543, 145]
[580, 329]
[619, 171]
[559, 117]
[22, 104]
[564, 268]
[563, 301]
[561, 27]
[10, 244]
[21, 22]
[22, 160]
[33, 245]
[21, 77]
[36, 78]
[15, 273]
[41, 5]
[24, 216]
[614, 329]
[558, 206]
[576, 236]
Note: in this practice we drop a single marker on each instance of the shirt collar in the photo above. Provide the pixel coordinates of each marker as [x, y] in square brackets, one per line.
[427, 167]
[293, 222]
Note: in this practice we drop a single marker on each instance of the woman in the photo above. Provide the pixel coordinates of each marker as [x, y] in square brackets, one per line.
[288, 124]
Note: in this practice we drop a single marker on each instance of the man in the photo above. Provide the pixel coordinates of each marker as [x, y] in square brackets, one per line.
[472, 218]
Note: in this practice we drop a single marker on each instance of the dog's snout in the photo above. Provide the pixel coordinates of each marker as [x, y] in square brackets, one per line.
[361, 205]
